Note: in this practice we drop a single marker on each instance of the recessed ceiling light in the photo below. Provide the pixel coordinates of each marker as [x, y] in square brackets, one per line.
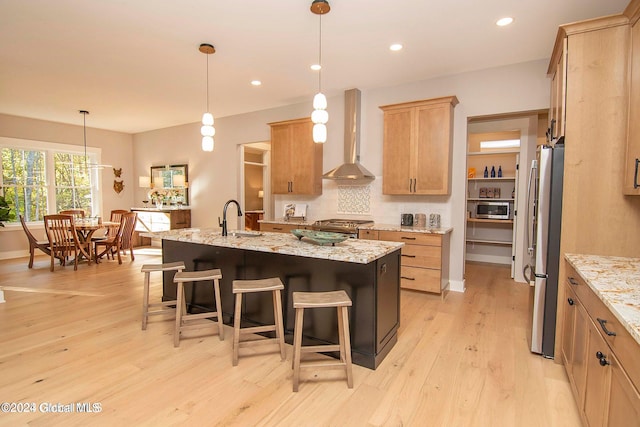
[395, 47]
[316, 67]
[503, 22]
[256, 82]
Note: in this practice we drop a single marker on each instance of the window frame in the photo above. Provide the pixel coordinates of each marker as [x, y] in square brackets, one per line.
[50, 149]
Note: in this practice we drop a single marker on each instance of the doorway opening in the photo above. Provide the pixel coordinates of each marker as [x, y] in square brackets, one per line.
[255, 188]
[500, 147]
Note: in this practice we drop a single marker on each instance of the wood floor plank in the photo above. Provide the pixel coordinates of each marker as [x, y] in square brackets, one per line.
[75, 336]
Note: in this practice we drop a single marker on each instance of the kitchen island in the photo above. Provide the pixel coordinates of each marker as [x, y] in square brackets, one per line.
[368, 271]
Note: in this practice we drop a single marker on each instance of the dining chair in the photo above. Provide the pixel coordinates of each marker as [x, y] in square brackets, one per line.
[63, 238]
[115, 216]
[121, 241]
[77, 213]
[34, 243]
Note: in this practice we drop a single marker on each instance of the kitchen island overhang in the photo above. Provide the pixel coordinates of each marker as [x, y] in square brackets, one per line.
[369, 271]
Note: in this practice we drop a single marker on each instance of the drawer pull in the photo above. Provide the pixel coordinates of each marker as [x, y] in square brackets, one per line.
[407, 278]
[408, 238]
[408, 256]
[570, 301]
[603, 325]
[277, 228]
[573, 281]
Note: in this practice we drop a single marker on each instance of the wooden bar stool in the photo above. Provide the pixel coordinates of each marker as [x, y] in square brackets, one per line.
[274, 285]
[146, 307]
[341, 301]
[182, 317]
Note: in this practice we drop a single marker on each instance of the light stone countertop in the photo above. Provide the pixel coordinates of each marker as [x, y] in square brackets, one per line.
[616, 281]
[351, 250]
[394, 227]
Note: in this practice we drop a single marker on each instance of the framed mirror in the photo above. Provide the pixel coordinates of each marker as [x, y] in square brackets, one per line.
[175, 179]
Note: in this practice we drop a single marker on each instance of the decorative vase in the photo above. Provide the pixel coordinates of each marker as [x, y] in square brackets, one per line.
[158, 204]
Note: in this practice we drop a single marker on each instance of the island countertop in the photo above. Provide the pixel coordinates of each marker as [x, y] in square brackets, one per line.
[351, 250]
[616, 281]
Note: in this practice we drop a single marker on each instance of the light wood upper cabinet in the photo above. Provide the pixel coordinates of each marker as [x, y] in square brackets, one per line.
[632, 158]
[296, 161]
[417, 147]
[558, 93]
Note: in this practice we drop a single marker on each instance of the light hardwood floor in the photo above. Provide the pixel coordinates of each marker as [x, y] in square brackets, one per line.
[70, 337]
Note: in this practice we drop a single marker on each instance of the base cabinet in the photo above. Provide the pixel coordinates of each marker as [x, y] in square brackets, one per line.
[159, 220]
[424, 258]
[603, 387]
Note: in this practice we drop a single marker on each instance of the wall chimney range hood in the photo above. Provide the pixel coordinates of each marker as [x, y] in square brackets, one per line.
[351, 170]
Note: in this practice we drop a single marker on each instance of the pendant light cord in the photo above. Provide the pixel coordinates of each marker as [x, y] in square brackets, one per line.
[320, 58]
[84, 134]
[207, 83]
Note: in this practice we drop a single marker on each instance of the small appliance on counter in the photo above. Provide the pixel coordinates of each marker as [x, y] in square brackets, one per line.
[434, 220]
[420, 220]
[406, 220]
[295, 212]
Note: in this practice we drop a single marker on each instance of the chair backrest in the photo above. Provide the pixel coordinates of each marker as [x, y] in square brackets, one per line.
[77, 213]
[116, 216]
[61, 230]
[129, 219]
[30, 235]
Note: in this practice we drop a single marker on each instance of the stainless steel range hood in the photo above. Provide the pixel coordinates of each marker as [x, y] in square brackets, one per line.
[351, 170]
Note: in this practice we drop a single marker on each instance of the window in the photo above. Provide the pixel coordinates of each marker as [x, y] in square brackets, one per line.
[39, 178]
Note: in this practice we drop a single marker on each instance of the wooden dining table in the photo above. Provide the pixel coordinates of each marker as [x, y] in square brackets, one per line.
[85, 229]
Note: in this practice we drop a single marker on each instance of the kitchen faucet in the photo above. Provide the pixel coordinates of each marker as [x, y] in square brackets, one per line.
[223, 224]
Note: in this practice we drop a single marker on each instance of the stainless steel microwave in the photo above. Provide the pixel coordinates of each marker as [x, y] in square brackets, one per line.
[492, 210]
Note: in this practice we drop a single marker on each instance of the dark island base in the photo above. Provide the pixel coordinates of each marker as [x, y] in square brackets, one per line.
[373, 288]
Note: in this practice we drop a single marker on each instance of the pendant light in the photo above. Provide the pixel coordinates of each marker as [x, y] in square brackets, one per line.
[88, 165]
[207, 130]
[320, 116]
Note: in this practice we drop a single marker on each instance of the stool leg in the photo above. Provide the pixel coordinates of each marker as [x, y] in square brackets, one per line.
[345, 342]
[216, 289]
[180, 307]
[145, 300]
[297, 343]
[277, 314]
[236, 328]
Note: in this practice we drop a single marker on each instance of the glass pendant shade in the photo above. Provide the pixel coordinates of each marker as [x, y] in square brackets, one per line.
[207, 131]
[320, 101]
[207, 143]
[207, 119]
[319, 133]
[320, 116]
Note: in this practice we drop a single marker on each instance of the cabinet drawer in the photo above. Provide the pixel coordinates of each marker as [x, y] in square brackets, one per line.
[280, 228]
[411, 238]
[420, 279]
[421, 256]
[368, 234]
[622, 343]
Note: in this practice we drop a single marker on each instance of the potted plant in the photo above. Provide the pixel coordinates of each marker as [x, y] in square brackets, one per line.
[6, 214]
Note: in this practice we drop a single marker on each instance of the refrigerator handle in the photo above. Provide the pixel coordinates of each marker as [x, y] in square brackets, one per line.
[531, 215]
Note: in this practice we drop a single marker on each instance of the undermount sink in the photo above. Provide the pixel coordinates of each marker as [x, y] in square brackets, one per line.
[245, 233]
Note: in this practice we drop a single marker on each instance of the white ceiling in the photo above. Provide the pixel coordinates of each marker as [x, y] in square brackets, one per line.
[135, 64]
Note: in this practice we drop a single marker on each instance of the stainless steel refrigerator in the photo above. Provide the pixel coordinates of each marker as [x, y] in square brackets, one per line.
[544, 214]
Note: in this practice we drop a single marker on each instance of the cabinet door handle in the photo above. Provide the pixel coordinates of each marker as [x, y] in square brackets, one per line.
[415, 181]
[635, 175]
[603, 325]
[407, 278]
[570, 301]
[602, 358]
[573, 281]
[408, 256]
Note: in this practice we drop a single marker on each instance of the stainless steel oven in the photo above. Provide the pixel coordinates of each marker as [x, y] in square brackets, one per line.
[493, 210]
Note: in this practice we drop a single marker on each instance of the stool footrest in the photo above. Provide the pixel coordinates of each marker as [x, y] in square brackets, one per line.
[320, 348]
[257, 329]
[162, 304]
[208, 314]
[322, 364]
[165, 311]
[250, 343]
